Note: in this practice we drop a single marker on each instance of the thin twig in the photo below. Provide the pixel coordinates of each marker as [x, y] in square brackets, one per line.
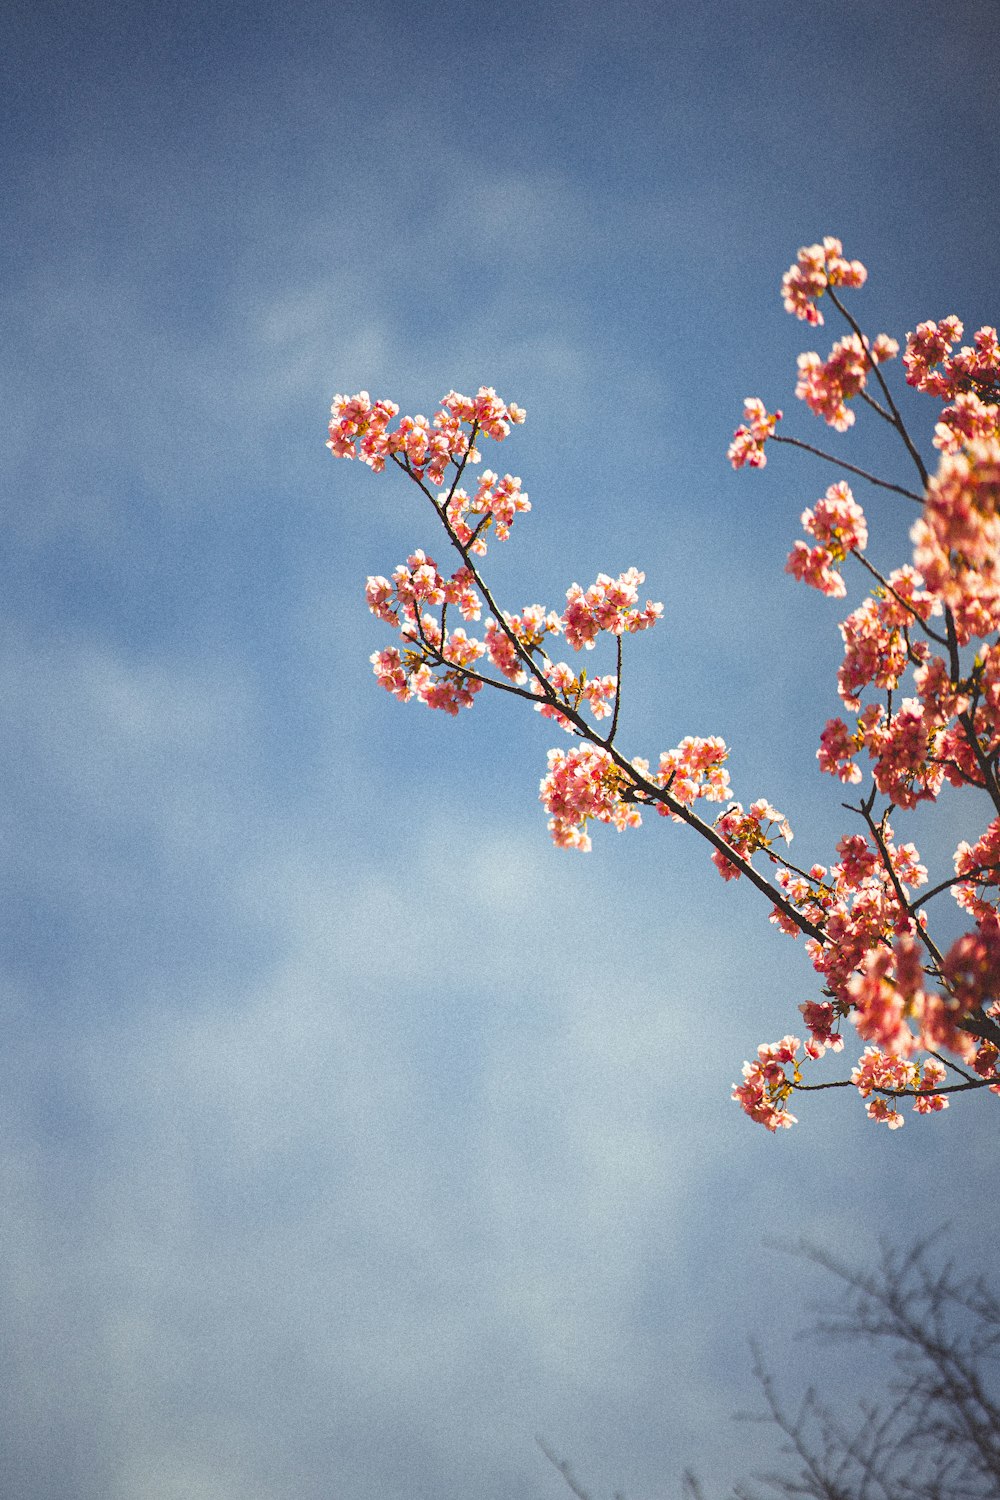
[618, 695]
[842, 463]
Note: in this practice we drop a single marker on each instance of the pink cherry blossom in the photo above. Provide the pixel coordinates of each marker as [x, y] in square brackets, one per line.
[493, 507]
[821, 1019]
[486, 410]
[766, 1087]
[877, 1070]
[609, 604]
[875, 650]
[966, 419]
[927, 347]
[449, 692]
[956, 543]
[815, 566]
[746, 832]
[932, 1074]
[747, 446]
[837, 522]
[859, 863]
[879, 1007]
[972, 966]
[582, 784]
[360, 428]
[694, 769]
[529, 628]
[980, 894]
[837, 749]
[827, 385]
[818, 267]
[970, 380]
[388, 668]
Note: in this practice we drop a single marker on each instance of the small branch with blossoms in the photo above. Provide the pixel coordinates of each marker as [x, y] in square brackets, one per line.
[924, 1013]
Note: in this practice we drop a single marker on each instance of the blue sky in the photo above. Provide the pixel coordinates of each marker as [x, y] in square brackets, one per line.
[350, 1134]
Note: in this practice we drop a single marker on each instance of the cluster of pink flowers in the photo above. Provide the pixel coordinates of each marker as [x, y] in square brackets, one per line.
[970, 380]
[899, 743]
[981, 863]
[873, 965]
[485, 411]
[610, 604]
[696, 768]
[878, 636]
[766, 1088]
[880, 1070]
[573, 689]
[827, 385]
[871, 953]
[813, 565]
[931, 366]
[837, 749]
[822, 1018]
[584, 783]
[838, 523]
[747, 446]
[408, 676]
[431, 666]
[956, 542]
[861, 905]
[972, 964]
[967, 418]
[928, 347]
[885, 993]
[529, 630]
[358, 419]
[415, 584]
[494, 505]
[746, 832]
[818, 267]
[360, 428]
[924, 717]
